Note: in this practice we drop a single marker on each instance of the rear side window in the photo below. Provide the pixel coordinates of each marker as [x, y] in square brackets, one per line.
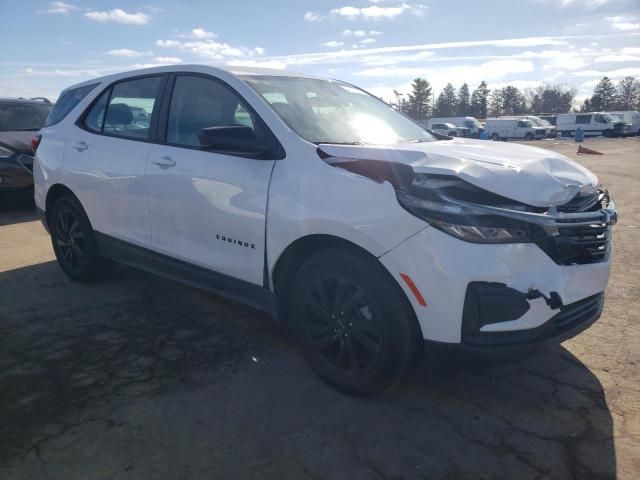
[583, 119]
[67, 102]
[131, 107]
[15, 116]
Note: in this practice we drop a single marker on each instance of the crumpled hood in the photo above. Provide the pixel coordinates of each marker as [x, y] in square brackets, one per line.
[17, 141]
[530, 175]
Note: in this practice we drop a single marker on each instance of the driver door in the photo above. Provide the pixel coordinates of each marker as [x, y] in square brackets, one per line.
[207, 208]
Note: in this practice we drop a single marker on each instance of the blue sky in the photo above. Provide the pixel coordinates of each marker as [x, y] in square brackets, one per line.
[380, 45]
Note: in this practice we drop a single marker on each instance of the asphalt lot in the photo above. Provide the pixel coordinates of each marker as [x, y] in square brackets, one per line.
[139, 377]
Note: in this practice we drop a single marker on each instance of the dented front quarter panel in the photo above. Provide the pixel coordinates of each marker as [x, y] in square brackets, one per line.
[530, 175]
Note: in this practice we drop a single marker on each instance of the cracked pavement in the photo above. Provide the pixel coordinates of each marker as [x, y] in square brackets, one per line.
[138, 377]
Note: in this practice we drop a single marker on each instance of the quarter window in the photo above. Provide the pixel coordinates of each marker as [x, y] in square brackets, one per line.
[95, 118]
[130, 108]
[67, 102]
[198, 103]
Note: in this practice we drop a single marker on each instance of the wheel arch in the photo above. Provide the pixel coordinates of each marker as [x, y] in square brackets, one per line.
[56, 191]
[296, 253]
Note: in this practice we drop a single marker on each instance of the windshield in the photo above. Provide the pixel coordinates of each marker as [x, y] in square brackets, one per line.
[328, 111]
[472, 123]
[539, 122]
[610, 118]
[22, 116]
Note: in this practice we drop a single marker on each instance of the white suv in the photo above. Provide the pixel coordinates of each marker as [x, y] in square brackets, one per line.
[317, 202]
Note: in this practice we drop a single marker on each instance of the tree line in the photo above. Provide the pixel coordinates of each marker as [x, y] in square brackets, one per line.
[421, 103]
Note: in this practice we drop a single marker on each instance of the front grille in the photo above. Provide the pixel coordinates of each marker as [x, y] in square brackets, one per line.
[576, 241]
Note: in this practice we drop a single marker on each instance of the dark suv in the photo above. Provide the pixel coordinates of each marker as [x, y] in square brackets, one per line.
[20, 119]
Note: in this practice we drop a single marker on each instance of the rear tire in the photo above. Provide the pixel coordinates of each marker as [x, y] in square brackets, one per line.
[352, 322]
[74, 241]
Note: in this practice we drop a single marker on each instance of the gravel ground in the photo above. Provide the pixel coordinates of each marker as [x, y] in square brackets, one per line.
[139, 377]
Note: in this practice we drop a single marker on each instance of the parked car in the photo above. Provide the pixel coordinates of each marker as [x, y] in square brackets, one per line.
[630, 117]
[448, 129]
[549, 118]
[318, 203]
[504, 128]
[19, 118]
[592, 124]
[474, 126]
[539, 122]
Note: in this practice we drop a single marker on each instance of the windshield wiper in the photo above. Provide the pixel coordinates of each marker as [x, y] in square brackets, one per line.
[339, 143]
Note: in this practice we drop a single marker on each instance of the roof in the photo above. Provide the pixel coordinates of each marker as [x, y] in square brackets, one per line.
[36, 101]
[214, 70]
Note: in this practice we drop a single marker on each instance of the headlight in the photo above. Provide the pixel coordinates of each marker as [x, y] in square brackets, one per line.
[5, 152]
[434, 201]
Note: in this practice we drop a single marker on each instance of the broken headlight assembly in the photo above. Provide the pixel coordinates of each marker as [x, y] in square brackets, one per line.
[447, 203]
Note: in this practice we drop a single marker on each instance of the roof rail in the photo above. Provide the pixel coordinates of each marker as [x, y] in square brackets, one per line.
[41, 99]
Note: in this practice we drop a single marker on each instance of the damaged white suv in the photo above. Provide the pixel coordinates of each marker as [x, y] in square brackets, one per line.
[316, 202]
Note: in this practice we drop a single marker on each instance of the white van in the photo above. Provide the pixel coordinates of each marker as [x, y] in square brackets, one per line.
[539, 122]
[474, 126]
[592, 124]
[448, 129]
[513, 127]
[362, 232]
[632, 117]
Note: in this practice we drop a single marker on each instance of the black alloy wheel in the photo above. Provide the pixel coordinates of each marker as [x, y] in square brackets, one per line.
[70, 239]
[341, 327]
[74, 241]
[353, 323]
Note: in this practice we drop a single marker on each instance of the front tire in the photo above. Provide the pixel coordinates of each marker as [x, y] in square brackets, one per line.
[352, 322]
[74, 241]
[528, 136]
[495, 137]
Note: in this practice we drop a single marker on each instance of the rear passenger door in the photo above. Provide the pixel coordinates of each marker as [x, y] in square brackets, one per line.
[207, 208]
[107, 154]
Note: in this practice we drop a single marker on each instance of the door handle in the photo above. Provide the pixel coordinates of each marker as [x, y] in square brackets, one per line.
[79, 146]
[164, 162]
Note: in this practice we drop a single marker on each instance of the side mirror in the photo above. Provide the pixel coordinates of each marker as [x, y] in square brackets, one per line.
[238, 139]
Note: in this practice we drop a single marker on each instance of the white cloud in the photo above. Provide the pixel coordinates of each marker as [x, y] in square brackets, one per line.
[313, 16]
[60, 73]
[198, 33]
[626, 26]
[273, 64]
[376, 12]
[167, 60]
[619, 73]
[59, 7]
[118, 15]
[588, 4]
[618, 58]
[488, 70]
[631, 51]
[128, 53]
[354, 33]
[368, 41]
[333, 44]
[210, 49]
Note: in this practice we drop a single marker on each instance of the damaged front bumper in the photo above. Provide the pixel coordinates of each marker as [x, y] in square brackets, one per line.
[444, 269]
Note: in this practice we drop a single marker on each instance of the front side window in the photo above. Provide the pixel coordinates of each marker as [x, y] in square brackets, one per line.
[328, 111]
[130, 108]
[522, 124]
[15, 116]
[198, 103]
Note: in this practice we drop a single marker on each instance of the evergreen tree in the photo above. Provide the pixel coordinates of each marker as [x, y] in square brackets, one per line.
[447, 102]
[512, 101]
[606, 91]
[464, 100]
[420, 99]
[495, 102]
[400, 103]
[480, 100]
